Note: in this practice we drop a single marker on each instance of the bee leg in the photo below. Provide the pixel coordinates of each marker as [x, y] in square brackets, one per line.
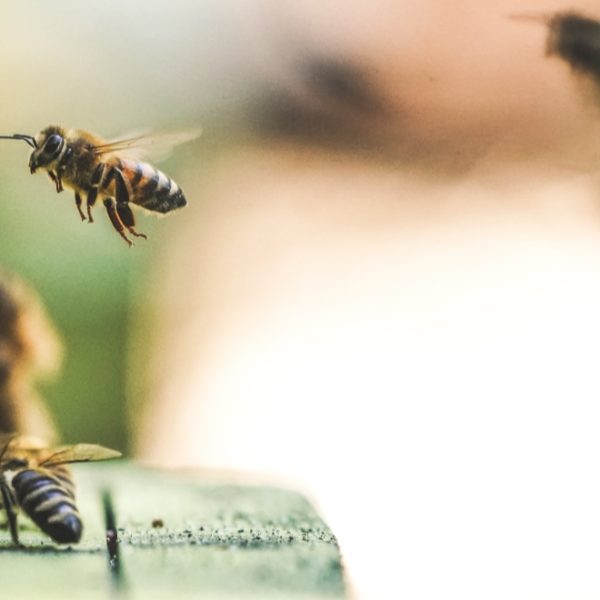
[93, 191]
[78, 205]
[8, 500]
[57, 181]
[90, 201]
[127, 218]
[122, 198]
[109, 203]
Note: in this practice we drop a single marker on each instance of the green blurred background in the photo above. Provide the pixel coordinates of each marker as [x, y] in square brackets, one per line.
[110, 68]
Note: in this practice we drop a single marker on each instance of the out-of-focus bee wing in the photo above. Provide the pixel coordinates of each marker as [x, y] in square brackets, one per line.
[6, 438]
[19, 443]
[5, 441]
[78, 453]
[154, 147]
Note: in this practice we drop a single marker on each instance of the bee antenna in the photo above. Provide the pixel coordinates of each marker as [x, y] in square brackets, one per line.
[28, 139]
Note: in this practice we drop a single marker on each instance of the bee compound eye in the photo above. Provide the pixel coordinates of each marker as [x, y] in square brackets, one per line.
[52, 143]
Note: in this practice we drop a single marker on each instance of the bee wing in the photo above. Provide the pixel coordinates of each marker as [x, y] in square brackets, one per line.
[19, 442]
[155, 147]
[78, 453]
[5, 441]
[7, 438]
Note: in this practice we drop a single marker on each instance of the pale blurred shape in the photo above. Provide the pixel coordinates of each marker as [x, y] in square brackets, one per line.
[422, 358]
[411, 336]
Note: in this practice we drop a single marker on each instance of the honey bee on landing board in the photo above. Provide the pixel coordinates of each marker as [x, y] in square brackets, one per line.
[37, 480]
[93, 167]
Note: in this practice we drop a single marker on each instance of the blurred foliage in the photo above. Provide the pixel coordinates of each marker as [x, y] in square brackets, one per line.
[81, 272]
[179, 75]
[93, 287]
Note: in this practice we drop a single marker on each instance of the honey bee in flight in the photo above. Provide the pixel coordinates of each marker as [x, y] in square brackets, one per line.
[93, 167]
[37, 480]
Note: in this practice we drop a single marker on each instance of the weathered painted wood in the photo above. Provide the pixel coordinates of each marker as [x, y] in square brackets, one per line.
[218, 540]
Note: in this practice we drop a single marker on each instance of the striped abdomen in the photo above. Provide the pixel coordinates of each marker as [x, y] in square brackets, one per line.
[151, 188]
[47, 497]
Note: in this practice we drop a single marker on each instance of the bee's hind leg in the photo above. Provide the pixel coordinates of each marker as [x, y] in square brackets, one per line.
[109, 203]
[122, 198]
[78, 205]
[127, 218]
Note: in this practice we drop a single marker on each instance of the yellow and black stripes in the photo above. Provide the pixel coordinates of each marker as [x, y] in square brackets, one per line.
[63, 474]
[47, 497]
[137, 174]
[151, 188]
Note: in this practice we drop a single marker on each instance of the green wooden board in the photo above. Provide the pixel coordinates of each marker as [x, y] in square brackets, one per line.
[218, 540]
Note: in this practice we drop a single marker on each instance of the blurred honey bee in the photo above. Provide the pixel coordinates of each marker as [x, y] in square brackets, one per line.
[29, 349]
[37, 480]
[93, 168]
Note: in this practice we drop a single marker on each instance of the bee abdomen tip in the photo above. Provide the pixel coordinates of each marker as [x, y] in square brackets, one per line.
[67, 530]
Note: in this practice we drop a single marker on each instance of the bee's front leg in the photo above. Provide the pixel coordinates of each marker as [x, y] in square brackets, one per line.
[57, 181]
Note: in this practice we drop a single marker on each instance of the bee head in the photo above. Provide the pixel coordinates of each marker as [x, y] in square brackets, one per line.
[50, 143]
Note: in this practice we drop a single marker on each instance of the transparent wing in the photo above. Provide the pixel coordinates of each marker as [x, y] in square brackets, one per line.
[156, 146]
[78, 453]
